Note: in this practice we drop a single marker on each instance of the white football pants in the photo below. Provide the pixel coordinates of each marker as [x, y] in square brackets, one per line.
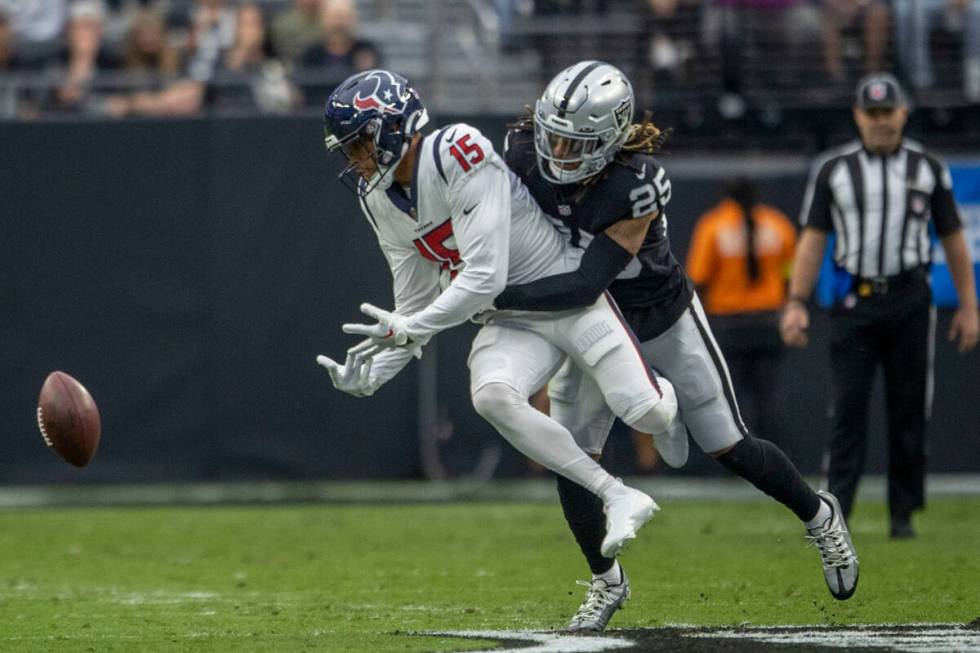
[519, 351]
[688, 356]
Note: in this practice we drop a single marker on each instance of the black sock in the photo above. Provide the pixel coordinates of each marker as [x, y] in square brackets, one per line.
[765, 466]
[583, 512]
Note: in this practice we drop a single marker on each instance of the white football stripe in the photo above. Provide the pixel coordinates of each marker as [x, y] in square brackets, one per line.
[929, 640]
[550, 642]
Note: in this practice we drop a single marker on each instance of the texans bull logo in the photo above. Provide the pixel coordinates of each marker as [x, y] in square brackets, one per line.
[387, 95]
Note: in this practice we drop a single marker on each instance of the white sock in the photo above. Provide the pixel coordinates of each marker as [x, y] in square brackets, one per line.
[612, 577]
[823, 514]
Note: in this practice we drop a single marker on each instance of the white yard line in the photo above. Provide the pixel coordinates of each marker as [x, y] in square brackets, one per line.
[927, 640]
[549, 642]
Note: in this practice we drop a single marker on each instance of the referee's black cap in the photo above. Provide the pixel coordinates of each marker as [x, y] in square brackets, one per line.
[879, 90]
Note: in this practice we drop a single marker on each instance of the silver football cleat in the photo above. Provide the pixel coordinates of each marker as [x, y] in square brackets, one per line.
[601, 602]
[833, 540]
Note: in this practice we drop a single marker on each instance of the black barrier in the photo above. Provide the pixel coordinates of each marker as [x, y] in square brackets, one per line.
[189, 272]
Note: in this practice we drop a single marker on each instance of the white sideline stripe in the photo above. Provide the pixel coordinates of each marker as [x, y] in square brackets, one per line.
[662, 488]
[931, 640]
[550, 642]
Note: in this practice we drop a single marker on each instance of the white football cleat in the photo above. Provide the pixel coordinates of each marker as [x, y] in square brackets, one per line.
[671, 443]
[625, 512]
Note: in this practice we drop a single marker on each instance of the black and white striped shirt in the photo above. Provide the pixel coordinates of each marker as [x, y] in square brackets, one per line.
[880, 206]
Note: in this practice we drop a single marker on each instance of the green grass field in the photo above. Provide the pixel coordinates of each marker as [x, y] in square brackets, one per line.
[362, 578]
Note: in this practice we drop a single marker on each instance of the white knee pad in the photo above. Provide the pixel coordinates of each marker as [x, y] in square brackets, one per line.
[656, 418]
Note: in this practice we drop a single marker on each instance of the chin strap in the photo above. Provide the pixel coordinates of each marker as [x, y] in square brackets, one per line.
[383, 180]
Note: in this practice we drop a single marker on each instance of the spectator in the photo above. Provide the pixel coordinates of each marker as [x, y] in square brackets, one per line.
[83, 55]
[750, 35]
[838, 15]
[249, 77]
[213, 28]
[240, 76]
[739, 260]
[296, 30]
[9, 63]
[146, 49]
[914, 19]
[340, 54]
[8, 58]
[667, 23]
[38, 27]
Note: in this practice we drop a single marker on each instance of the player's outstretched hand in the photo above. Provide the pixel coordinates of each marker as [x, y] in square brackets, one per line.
[388, 332]
[354, 377]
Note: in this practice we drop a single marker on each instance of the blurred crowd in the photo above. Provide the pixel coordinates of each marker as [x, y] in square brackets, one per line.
[166, 58]
[181, 57]
[745, 45]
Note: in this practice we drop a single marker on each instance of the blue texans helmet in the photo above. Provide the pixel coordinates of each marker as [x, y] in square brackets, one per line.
[379, 105]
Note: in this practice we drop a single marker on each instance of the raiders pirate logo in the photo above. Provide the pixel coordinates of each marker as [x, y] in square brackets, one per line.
[623, 113]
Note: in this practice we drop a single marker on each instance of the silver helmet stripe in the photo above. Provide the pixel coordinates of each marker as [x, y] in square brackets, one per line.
[586, 110]
[570, 91]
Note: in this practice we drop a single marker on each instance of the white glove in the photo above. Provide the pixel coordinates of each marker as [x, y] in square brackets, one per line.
[390, 331]
[354, 377]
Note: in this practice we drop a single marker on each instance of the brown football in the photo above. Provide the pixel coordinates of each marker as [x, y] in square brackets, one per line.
[68, 419]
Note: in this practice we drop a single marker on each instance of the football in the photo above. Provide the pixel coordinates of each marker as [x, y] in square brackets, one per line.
[69, 419]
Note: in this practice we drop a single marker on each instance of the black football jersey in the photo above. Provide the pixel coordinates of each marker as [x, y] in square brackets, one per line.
[654, 290]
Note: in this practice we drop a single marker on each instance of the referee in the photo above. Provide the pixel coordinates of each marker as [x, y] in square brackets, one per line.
[878, 196]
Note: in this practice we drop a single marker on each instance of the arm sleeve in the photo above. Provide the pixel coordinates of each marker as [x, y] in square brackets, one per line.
[818, 198]
[388, 363]
[480, 206]
[701, 256]
[603, 259]
[415, 282]
[945, 213]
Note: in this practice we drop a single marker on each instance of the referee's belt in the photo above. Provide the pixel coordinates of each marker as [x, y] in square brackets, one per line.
[867, 286]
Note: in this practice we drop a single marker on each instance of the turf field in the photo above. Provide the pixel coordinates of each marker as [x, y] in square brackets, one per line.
[370, 577]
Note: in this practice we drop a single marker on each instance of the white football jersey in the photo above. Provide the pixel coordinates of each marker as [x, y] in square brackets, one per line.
[465, 228]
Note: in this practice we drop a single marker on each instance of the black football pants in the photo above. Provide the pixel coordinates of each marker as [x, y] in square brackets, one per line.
[893, 330]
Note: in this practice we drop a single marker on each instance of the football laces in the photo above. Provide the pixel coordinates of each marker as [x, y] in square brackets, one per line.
[40, 425]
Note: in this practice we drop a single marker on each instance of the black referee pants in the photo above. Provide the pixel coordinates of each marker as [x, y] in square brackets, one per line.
[893, 330]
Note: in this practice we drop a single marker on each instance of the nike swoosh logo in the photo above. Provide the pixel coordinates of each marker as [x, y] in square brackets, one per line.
[449, 139]
[642, 173]
[470, 210]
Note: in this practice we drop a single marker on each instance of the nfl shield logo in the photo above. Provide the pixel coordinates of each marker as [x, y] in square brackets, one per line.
[564, 210]
[918, 205]
[877, 91]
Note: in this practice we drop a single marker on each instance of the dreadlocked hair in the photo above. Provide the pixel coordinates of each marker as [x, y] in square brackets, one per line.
[644, 137]
[524, 122]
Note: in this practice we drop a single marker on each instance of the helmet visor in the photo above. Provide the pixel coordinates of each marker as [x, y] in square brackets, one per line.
[563, 149]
